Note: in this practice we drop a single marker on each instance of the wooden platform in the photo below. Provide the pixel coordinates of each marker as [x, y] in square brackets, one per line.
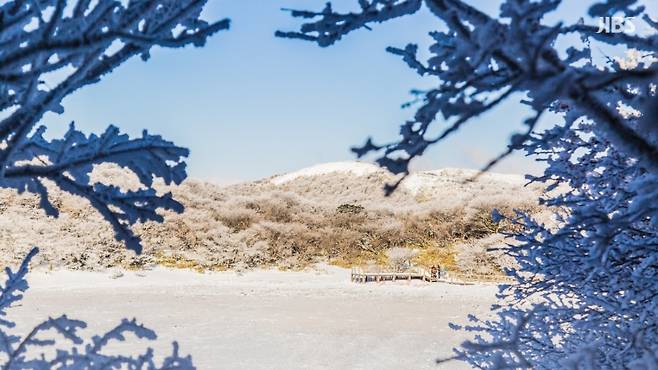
[360, 275]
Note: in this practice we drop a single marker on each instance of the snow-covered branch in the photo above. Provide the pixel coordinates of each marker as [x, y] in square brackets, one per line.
[586, 295]
[481, 61]
[68, 163]
[332, 26]
[51, 48]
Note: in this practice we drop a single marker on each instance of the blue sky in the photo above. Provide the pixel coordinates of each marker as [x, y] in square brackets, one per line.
[250, 105]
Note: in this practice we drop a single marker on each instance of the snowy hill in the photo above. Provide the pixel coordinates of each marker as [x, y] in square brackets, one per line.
[354, 168]
[335, 211]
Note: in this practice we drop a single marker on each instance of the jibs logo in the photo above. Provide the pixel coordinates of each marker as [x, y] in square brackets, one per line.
[616, 25]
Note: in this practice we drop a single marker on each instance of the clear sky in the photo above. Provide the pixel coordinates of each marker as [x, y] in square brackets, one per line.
[250, 105]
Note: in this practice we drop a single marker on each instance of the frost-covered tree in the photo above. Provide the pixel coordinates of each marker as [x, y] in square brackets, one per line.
[48, 50]
[51, 48]
[480, 61]
[586, 295]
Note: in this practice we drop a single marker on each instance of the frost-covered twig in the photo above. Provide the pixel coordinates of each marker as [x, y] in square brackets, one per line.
[592, 266]
[80, 42]
[480, 61]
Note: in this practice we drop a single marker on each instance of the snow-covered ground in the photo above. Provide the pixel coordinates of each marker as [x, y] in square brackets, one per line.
[437, 181]
[352, 167]
[314, 319]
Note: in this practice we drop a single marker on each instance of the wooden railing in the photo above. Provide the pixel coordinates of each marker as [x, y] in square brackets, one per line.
[377, 273]
[360, 275]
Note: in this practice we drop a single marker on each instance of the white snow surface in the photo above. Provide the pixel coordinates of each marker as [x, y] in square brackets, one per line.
[351, 167]
[438, 180]
[266, 319]
[415, 182]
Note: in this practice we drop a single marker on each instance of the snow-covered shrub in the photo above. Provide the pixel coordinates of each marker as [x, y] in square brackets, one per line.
[586, 292]
[221, 226]
[349, 208]
[56, 342]
[476, 256]
[400, 258]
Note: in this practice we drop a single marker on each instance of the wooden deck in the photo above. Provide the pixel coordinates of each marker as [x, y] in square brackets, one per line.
[361, 275]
